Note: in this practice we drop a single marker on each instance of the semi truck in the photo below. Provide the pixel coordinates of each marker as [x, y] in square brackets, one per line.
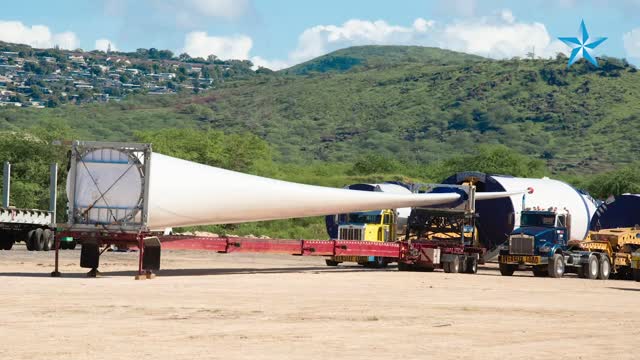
[542, 244]
[34, 227]
[377, 226]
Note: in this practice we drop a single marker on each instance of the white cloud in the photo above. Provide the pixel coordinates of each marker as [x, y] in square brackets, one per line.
[105, 44]
[200, 44]
[269, 64]
[632, 43]
[219, 8]
[38, 36]
[499, 36]
[321, 39]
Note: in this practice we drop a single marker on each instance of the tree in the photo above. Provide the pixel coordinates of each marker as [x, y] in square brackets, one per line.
[620, 181]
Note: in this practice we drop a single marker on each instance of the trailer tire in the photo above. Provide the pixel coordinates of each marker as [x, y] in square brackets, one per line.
[605, 268]
[507, 269]
[452, 266]
[47, 240]
[30, 240]
[636, 274]
[38, 240]
[472, 265]
[327, 261]
[556, 266]
[72, 245]
[402, 266]
[590, 269]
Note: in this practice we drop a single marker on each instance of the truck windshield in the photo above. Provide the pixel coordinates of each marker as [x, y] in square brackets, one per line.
[364, 218]
[546, 220]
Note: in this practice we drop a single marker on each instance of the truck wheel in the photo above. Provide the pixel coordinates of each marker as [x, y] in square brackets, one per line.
[72, 245]
[47, 240]
[507, 269]
[38, 240]
[472, 265]
[327, 261]
[452, 266]
[636, 274]
[590, 269]
[556, 266]
[605, 268]
[30, 240]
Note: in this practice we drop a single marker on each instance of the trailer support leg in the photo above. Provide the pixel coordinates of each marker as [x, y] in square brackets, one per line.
[56, 272]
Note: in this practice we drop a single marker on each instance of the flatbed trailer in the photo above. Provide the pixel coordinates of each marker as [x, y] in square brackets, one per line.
[35, 227]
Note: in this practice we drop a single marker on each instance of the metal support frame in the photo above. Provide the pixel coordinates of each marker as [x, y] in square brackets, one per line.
[6, 188]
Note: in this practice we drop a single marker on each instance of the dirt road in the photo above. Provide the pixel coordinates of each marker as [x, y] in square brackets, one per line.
[237, 306]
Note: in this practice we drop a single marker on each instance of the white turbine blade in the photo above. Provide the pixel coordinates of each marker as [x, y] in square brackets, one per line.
[184, 193]
[497, 194]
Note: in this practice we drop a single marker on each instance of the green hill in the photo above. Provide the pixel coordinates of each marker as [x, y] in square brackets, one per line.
[359, 57]
[580, 120]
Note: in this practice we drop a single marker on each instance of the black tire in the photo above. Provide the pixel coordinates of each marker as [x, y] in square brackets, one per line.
[472, 265]
[379, 263]
[507, 269]
[47, 240]
[402, 266]
[72, 245]
[540, 272]
[63, 245]
[605, 268]
[30, 240]
[327, 261]
[3, 243]
[556, 266]
[590, 270]
[38, 240]
[452, 266]
[636, 274]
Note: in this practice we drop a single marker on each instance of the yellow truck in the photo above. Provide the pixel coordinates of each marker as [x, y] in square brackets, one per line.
[621, 246]
[378, 225]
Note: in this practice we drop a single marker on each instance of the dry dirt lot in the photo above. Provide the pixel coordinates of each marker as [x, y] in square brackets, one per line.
[210, 306]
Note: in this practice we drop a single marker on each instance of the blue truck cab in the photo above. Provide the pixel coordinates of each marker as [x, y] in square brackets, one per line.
[539, 244]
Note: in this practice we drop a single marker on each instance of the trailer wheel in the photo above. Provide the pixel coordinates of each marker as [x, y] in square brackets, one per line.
[605, 268]
[30, 240]
[402, 266]
[590, 269]
[472, 265]
[636, 274]
[378, 263]
[38, 240]
[47, 240]
[452, 266]
[327, 261]
[507, 269]
[72, 245]
[556, 266]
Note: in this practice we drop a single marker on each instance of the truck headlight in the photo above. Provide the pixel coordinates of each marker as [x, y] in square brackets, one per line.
[545, 249]
[503, 247]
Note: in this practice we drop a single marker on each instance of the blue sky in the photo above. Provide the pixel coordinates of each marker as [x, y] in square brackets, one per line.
[279, 33]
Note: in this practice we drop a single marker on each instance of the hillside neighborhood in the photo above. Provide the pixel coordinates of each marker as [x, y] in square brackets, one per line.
[40, 78]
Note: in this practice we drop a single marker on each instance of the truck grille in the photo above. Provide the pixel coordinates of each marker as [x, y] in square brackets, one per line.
[521, 245]
[347, 233]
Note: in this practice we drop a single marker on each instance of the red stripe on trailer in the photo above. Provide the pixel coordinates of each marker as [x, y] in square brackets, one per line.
[281, 246]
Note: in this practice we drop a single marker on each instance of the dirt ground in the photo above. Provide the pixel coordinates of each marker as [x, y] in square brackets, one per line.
[211, 306]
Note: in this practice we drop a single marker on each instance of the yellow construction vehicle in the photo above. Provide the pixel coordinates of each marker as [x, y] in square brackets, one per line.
[378, 225]
[618, 244]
